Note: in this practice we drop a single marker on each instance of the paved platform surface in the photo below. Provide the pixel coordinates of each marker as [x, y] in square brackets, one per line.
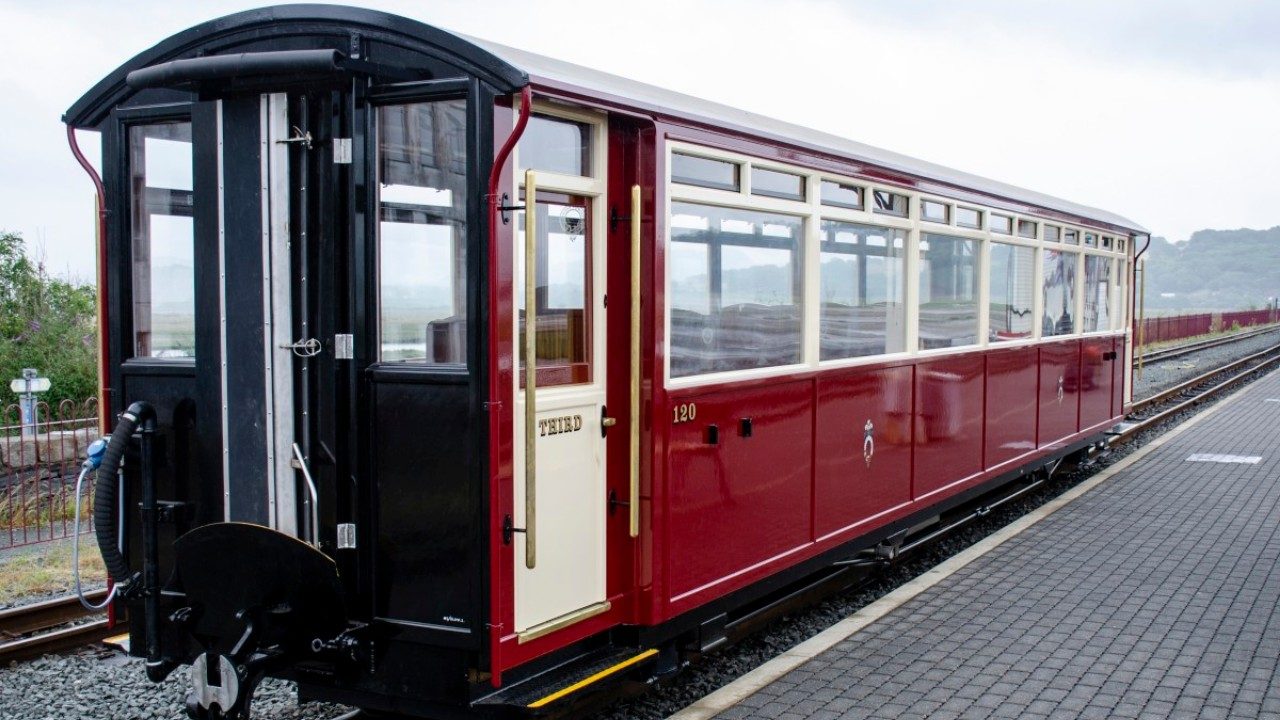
[1153, 595]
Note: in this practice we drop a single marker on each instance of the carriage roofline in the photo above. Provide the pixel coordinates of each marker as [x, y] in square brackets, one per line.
[508, 69]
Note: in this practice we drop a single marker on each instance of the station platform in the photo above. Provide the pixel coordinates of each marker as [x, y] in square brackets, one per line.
[1150, 590]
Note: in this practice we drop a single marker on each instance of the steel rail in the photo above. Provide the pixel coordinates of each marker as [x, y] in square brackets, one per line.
[29, 631]
[1234, 373]
[1187, 349]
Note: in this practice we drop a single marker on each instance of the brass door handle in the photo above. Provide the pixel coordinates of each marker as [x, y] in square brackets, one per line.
[609, 422]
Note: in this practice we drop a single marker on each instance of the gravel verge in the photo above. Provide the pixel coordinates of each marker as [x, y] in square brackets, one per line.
[1160, 375]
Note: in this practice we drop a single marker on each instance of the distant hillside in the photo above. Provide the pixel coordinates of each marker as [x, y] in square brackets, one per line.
[1214, 270]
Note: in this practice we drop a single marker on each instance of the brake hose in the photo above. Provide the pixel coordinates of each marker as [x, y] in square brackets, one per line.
[91, 463]
[104, 500]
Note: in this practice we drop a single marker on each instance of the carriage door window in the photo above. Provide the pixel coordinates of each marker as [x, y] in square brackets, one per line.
[563, 286]
[422, 238]
[160, 186]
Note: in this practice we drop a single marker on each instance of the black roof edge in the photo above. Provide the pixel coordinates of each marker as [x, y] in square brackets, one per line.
[92, 108]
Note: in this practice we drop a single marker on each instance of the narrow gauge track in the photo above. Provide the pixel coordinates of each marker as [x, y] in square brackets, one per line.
[51, 626]
[1188, 348]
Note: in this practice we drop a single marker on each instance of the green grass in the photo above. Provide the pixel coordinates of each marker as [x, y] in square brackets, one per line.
[45, 569]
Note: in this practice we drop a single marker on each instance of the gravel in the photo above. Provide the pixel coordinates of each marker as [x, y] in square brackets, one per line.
[88, 685]
[1160, 375]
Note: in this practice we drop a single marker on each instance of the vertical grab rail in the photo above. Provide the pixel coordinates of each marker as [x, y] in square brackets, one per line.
[634, 498]
[530, 372]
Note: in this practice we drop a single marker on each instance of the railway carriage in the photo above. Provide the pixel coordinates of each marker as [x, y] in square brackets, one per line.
[457, 380]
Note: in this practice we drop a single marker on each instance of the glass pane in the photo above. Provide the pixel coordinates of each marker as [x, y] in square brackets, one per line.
[890, 203]
[1026, 228]
[1097, 296]
[556, 145]
[163, 240]
[968, 217]
[1070, 237]
[1012, 270]
[1052, 233]
[1002, 224]
[862, 290]
[563, 338]
[776, 184]
[422, 232]
[693, 170]
[736, 295]
[934, 211]
[1121, 307]
[948, 292]
[1059, 293]
[1090, 240]
[841, 195]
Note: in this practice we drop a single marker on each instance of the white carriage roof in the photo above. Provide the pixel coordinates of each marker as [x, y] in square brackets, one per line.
[650, 98]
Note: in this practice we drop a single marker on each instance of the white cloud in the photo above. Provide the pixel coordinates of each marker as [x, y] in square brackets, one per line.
[1172, 126]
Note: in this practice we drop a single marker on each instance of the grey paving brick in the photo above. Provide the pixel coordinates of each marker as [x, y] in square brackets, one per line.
[1155, 595]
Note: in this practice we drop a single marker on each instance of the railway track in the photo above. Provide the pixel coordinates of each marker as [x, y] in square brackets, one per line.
[1187, 349]
[56, 625]
[1160, 407]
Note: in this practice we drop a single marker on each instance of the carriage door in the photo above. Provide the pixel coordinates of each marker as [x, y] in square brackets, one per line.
[560, 558]
[277, 308]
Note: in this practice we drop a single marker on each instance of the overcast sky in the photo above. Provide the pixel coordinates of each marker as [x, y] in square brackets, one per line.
[1165, 112]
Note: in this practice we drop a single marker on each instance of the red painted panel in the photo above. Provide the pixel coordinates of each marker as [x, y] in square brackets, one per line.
[1011, 404]
[745, 499]
[949, 407]
[1095, 381]
[1059, 391]
[861, 471]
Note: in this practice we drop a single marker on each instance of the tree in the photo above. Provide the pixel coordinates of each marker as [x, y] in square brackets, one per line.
[47, 324]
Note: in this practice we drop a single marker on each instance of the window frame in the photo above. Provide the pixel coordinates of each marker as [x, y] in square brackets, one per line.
[814, 212]
[125, 350]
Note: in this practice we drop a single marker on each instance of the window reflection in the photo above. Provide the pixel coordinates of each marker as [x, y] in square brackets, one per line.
[1097, 297]
[562, 272]
[948, 292]
[862, 290]
[163, 242]
[1059, 293]
[743, 269]
[556, 145]
[1012, 271]
[422, 239]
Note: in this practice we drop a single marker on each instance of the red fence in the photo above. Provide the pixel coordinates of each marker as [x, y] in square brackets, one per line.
[1176, 327]
[39, 462]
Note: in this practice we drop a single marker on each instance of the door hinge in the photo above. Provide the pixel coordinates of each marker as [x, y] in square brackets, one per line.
[342, 151]
[343, 346]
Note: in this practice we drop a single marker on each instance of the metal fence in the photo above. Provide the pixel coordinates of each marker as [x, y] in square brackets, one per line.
[1176, 327]
[39, 461]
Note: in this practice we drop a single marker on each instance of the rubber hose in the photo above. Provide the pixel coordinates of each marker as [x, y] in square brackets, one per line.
[104, 493]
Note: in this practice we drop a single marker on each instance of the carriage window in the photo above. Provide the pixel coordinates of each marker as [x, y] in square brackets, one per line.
[1070, 237]
[969, 217]
[1052, 233]
[735, 289]
[563, 337]
[890, 203]
[1090, 240]
[1121, 302]
[163, 241]
[862, 290]
[1059, 293]
[841, 195]
[422, 232]
[772, 183]
[1097, 294]
[694, 170]
[948, 302]
[556, 145]
[1012, 271]
[1002, 224]
[935, 211]
[1026, 228]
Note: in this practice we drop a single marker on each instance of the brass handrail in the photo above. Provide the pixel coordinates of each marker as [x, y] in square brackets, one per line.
[530, 372]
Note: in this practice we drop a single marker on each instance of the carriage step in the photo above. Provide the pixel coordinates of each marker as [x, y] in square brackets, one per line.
[568, 683]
